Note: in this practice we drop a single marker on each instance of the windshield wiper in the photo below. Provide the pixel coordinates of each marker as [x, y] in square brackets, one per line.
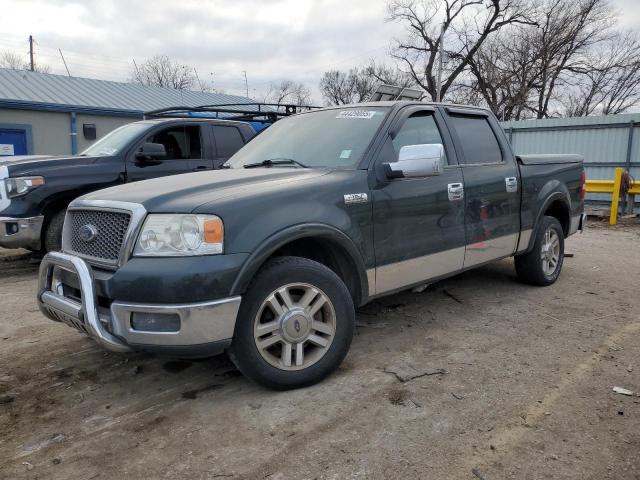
[275, 161]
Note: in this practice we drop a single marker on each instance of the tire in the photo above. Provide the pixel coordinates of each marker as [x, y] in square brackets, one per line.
[52, 239]
[537, 266]
[277, 310]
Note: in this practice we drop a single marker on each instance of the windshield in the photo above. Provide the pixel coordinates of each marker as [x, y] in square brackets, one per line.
[326, 138]
[113, 142]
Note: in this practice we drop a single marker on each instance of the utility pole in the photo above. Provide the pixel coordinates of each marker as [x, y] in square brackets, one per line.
[64, 61]
[440, 51]
[246, 84]
[31, 52]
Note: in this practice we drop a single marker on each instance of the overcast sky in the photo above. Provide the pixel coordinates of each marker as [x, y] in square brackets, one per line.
[270, 39]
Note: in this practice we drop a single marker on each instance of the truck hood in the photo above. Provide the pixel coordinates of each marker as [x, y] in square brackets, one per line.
[39, 164]
[185, 193]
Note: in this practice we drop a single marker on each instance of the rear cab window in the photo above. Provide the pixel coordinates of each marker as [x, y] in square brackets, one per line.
[228, 140]
[477, 139]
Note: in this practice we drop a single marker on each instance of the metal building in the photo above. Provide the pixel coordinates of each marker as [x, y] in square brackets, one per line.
[49, 114]
[606, 142]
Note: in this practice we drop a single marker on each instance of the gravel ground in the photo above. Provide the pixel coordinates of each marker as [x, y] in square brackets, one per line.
[513, 382]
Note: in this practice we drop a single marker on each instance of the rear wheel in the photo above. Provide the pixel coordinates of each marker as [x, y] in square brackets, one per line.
[295, 324]
[542, 265]
[52, 239]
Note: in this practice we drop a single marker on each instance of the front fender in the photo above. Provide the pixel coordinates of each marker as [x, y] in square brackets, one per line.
[310, 230]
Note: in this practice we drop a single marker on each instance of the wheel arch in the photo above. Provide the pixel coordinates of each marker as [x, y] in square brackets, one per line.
[319, 242]
[557, 205]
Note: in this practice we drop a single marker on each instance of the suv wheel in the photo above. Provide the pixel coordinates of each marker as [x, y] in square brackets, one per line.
[542, 265]
[294, 326]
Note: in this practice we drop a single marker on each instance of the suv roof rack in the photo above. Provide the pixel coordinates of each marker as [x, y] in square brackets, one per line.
[394, 92]
[244, 112]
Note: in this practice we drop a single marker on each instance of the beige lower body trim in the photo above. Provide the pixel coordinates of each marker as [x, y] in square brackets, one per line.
[408, 272]
[487, 250]
[575, 224]
[525, 238]
[395, 276]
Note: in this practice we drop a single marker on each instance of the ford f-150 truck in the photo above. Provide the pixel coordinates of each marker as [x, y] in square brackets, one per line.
[35, 190]
[321, 213]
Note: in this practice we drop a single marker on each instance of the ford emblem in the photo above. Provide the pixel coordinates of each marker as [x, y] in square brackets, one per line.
[87, 233]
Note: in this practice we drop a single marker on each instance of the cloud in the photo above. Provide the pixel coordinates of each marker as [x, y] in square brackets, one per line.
[272, 40]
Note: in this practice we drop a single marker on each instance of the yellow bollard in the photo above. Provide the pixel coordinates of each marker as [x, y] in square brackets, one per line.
[615, 196]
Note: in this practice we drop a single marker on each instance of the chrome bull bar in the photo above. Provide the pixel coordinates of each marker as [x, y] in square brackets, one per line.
[82, 316]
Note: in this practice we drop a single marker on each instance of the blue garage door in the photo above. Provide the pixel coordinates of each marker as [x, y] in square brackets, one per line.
[17, 138]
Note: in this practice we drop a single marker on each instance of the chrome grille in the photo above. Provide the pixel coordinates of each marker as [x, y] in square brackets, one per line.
[110, 230]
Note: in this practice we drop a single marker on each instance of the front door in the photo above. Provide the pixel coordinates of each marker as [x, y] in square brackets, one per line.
[183, 144]
[491, 187]
[418, 224]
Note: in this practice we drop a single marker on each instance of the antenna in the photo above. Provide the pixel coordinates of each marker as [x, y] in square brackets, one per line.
[198, 78]
[65, 63]
[31, 53]
[246, 84]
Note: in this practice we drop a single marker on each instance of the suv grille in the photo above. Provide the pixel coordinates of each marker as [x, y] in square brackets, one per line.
[97, 234]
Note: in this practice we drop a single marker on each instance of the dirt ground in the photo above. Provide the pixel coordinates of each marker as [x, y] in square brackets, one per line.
[517, 383]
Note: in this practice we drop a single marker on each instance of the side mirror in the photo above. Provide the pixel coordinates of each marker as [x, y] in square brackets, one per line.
[151, 151]
[417, 161]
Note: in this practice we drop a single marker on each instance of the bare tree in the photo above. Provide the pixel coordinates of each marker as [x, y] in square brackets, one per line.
[14, 61]
[338, 87]
[504, 73]
[566, 64]
[465, 26]
[609, 81]
[288, 91]
[568, 29]
[356, 85]
[161, 71]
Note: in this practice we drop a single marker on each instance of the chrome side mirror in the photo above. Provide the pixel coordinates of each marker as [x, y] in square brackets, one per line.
[416, 161]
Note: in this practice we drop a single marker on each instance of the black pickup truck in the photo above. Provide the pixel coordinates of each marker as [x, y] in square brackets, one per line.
[35, 190]
[321, 213]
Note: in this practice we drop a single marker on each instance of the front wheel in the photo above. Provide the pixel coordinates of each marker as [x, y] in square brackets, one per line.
[542, 265]
[294, 326]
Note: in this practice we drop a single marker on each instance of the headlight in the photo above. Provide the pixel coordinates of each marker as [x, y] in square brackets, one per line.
[169, 235]
[19, 186]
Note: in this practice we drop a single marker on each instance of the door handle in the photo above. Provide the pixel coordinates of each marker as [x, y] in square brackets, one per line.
[455, 191]
[511, 184]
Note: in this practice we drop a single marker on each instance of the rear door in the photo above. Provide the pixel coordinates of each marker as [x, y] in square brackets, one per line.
[491, 186]
[418, 224]
[228, 140]
[184, 147]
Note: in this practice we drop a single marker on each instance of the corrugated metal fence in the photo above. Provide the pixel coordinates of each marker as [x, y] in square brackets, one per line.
[605, 142]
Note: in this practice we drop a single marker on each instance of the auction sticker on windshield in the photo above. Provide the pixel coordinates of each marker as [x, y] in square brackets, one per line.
[365, 114]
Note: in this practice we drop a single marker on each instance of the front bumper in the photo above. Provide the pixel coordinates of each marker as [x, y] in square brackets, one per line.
[204, 328]
[21, 232]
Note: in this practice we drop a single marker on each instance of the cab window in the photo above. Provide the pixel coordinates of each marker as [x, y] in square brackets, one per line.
[180, 143]
[420, 128]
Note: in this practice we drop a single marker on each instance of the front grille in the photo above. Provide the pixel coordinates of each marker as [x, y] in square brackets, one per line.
[109, 228]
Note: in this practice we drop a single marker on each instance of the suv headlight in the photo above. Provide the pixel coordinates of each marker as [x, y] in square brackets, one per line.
[18, 186]
[169, 235]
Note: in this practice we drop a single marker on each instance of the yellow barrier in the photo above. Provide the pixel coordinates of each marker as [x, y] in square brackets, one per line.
[612, 187]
